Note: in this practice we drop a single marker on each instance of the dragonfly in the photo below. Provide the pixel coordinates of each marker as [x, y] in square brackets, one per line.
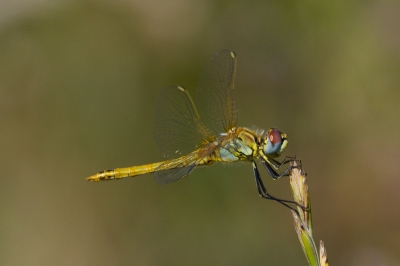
[192, 135]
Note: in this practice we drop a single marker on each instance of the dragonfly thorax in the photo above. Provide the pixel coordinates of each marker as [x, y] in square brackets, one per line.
[237, 144]
[242, 144]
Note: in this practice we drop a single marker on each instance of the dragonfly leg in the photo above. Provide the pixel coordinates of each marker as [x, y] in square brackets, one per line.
[270, 164]
[278, 164]
[262, 191]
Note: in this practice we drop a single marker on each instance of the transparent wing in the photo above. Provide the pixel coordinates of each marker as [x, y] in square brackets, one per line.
[168, 176]
[215, 96]
[178, 168]
[178, 129]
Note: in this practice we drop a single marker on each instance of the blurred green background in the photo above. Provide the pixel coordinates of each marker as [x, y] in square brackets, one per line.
[78, 86]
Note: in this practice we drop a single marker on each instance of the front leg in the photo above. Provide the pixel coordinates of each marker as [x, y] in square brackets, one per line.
[271, 164]
[277, 164]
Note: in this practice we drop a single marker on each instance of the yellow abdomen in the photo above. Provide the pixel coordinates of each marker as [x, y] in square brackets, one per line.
[120, 173]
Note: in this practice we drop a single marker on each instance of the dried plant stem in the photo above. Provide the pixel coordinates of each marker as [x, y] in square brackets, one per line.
[303, 219]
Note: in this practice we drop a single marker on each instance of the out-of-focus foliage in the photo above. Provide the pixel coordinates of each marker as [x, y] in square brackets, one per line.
[78, 86]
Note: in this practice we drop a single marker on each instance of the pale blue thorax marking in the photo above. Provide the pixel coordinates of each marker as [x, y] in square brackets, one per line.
[229, 151]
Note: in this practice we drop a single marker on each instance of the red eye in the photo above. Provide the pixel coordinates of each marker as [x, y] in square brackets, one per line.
[275, 136]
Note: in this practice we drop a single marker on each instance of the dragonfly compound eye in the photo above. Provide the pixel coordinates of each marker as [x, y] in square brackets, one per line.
[274, 135]
[273, 142]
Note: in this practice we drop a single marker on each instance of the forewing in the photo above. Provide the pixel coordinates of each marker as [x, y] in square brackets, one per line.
[215, 93]
[178, 129]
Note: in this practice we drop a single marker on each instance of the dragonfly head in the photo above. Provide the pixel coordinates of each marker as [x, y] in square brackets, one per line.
[275, 142]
